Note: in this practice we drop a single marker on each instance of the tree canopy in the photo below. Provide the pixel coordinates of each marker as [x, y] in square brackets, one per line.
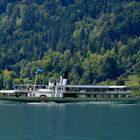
[94, 40]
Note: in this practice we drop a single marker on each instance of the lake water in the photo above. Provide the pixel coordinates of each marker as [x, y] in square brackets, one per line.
[86, 121]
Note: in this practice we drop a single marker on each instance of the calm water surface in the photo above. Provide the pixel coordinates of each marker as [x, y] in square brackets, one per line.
[69, 122]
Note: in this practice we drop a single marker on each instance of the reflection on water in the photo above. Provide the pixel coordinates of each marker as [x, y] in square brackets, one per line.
[80, 121]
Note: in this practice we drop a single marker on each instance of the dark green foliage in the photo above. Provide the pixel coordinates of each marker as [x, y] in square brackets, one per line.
[94, 40]
[1, 81]
[120, 82]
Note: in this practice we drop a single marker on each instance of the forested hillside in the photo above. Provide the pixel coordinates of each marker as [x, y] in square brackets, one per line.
[95, 40]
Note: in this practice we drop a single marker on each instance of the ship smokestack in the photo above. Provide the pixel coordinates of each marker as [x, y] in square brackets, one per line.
[65, 78]
[65, 75]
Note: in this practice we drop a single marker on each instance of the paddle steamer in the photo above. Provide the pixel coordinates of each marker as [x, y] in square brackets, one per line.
[58, 91]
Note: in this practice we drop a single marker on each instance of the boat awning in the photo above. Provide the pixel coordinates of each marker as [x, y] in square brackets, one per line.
[7, 91]
[91, 86]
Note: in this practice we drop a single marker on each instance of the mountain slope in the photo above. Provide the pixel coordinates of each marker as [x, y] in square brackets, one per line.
[94, 40]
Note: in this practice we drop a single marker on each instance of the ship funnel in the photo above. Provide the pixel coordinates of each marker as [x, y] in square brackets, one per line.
[65, 77]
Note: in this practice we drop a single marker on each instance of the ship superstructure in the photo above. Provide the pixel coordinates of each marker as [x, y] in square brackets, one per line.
[59, 88]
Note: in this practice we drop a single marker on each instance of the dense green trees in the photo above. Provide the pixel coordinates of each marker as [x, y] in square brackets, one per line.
[94, 40]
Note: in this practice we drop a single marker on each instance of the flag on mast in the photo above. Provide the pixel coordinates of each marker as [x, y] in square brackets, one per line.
[38, 71]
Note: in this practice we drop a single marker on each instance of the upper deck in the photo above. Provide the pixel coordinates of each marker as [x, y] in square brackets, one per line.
[25, 88]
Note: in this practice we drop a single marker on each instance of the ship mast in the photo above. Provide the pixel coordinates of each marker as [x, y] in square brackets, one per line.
[35, 80]
[36, 76]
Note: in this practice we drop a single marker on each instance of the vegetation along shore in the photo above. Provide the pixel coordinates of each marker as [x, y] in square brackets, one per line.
[98, 42]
